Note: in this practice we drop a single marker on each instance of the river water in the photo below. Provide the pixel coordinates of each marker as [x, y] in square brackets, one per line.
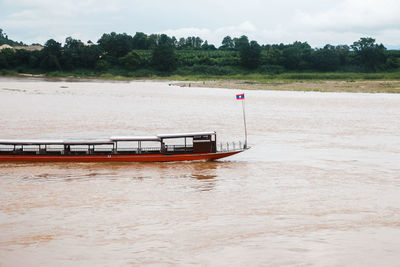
[319, 187]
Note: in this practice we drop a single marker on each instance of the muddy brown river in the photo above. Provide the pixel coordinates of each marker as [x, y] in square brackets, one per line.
[319, 187]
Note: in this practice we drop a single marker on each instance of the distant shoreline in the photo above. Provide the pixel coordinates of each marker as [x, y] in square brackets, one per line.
[250, 82]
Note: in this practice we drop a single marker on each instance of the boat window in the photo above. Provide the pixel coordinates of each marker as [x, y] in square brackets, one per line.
[103, 148]
[6, 147]
[201, 137]
[78, 148]
[174, 141]
[128, 145]
[151, 145]
[189, 141]
[54, 148]
[31, 148]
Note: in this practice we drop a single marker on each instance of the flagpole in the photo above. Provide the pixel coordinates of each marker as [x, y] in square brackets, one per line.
[245, 128]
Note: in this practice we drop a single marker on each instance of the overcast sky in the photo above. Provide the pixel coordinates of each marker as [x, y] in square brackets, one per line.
[318, 22]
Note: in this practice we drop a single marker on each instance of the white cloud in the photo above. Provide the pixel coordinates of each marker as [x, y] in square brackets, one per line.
[185, 32]
[215, 36]
[340, 22]
[273, 21]
[351, 15]
[38, 21]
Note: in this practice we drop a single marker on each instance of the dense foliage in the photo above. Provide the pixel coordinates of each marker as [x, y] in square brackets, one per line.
[144, 55]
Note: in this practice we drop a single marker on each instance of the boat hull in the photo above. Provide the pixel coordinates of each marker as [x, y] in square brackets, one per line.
[117, 158]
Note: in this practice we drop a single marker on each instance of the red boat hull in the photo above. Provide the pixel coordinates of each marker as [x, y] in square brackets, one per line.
[117, 158]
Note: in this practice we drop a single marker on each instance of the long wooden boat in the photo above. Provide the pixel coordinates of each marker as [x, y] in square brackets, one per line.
[158, 148]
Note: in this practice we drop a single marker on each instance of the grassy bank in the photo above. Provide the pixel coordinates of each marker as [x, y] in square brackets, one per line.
[183, 74]
[366, 86]
[383, 82]
[304, 76]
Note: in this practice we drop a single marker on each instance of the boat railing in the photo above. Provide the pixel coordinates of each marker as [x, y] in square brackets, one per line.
[230, 146]
[54, 149]
[79, 150]
[138, 149]
[150, 148]
[28, 149]
[221, 147]
[108, 150]
[180, 148]
[37, 150]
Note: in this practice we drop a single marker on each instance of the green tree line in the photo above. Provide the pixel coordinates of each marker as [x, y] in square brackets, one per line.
[143, 55]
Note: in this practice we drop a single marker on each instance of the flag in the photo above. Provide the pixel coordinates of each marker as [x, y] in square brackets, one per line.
[239, 96]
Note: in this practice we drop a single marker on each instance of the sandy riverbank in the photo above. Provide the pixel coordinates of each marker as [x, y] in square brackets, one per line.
[321, 86]
[355, 86]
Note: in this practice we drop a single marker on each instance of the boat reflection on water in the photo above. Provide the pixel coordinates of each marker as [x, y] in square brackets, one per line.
[203, 177]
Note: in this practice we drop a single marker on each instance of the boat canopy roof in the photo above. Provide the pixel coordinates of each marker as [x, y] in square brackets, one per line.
[177, 135]
[30, 142]
[54, 142]
[134, 138]
[88, 142]
[111, 140]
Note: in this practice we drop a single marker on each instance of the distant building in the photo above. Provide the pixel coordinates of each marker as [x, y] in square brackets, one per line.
[5, 46]
[29, 47]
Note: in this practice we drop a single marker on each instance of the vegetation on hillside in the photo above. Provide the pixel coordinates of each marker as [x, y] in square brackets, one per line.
[145, 55]
[4, 40]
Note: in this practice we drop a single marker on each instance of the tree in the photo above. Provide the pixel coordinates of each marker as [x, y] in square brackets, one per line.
[116, 45]
[3, 61]
[153, 41]
[174, 42]
[139, 41]
[250, 53]
[4, 39]
[297, 56]
[326, 59]
[189, 42]
[50, 62]
[393, 60]
[35, 58]
[51, 55]
[131, 61]
[197, 42]
[166, 40]
[3, 35]
[181, 43]
[274, 55]
[163, 56]
[227, 43]
[53, 47]
[6, 58]
[72, 56]
[243, 41]
[369, 55]
[206, 46]
[21, 58]
[343, 52]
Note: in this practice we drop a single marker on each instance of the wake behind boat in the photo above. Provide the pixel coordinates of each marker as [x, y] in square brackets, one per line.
[158, 148]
